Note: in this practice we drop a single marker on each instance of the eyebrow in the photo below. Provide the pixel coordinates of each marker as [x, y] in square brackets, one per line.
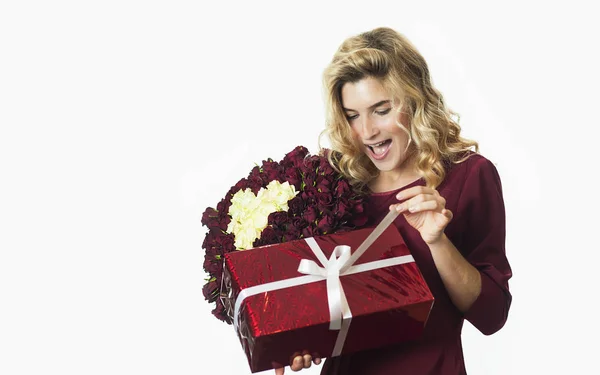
[371, 107]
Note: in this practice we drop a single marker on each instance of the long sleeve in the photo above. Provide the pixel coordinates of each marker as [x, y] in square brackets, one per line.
[473, 192]
[482, 206]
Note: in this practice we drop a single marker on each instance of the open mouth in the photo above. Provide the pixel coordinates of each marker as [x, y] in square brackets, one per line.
[379, 150]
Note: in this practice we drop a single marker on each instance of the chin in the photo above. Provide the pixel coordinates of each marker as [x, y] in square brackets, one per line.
[392, 161]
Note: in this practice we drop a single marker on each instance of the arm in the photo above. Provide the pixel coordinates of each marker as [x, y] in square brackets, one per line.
[476, 275]
[461, 279]
[483, 246]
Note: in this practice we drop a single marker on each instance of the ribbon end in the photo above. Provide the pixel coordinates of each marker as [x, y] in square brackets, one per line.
[335, 325]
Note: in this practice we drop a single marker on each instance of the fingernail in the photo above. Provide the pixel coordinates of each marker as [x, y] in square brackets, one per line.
[399, 196]
[412, 208]
[297, 361]
[399, 207]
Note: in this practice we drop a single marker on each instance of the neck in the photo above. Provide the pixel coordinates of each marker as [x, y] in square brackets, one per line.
[396, 178]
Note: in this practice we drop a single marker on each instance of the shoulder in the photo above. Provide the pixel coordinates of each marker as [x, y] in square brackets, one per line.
[472, 162]
[470, 183]
[471, 168]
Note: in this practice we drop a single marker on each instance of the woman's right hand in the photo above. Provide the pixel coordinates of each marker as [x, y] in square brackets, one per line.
[299, 362]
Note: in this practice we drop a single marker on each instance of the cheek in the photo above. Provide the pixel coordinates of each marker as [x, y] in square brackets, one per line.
[388, 124]
[356, 138]
[403, 118]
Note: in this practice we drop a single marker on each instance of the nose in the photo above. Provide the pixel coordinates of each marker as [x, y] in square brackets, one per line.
[368, 128]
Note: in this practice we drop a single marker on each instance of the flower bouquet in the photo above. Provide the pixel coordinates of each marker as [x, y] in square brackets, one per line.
[297, 197]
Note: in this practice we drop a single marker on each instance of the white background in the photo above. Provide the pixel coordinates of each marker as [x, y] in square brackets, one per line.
[121, 121]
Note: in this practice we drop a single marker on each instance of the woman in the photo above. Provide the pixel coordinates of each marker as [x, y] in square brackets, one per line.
[393, 136]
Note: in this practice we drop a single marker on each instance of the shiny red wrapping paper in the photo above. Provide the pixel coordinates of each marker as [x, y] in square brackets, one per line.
[389, 305]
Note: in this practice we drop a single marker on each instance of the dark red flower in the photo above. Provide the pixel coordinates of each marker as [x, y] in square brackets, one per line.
[309, 195]
[268, 236]
[326, 224]
[208, 239]
[241, 185]
[326, 204]
[212, 265]
[292, 175]
[324, 200]
[309, 181]
[211, 290]
[296, 206]
[359, 220]
[223, 206]
[210, 217]
[323, 185]
[342, 188]
[310, 231]
[271, 170]
[357, 207]
[278, 219]
[220, 312]
[226, 242]
[298, 160]
[326, 170]
[291, 233]
[297, 154]
[298, 223]
[341, 208]
[310, 214]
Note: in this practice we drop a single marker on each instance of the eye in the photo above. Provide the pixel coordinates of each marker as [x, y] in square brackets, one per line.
[384, 112]
[349, 118]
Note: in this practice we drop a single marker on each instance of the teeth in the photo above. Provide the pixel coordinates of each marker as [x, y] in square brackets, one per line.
[377, 144]
[379, 148]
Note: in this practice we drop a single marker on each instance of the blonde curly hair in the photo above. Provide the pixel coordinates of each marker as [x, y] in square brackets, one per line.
[386, 55]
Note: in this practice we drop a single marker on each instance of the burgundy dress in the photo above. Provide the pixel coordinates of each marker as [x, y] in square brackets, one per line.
[474, 194]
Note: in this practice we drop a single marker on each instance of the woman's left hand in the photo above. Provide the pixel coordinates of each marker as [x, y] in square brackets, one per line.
[425, 210]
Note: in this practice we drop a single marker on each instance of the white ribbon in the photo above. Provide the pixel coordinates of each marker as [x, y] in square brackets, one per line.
[330, 272]
[339, 264]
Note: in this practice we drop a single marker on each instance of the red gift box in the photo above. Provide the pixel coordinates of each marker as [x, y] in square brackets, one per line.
[389, 304]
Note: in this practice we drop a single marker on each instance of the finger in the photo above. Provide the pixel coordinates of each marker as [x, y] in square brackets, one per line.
[396, 207]
[446, 212]
[441, 201]
[401, 207]
[432, 205]
[316, 360]
[293, 357]
[307, 360]
[413, 191]
[297, 363]
[279, 371]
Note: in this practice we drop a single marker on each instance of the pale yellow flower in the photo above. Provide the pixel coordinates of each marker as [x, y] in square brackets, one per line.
[249, 213]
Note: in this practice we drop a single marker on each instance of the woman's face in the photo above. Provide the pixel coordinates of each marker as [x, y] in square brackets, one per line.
[369, 112]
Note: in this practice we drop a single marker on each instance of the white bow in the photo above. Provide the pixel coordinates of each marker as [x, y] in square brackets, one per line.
[331, 271]
[340, 263]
